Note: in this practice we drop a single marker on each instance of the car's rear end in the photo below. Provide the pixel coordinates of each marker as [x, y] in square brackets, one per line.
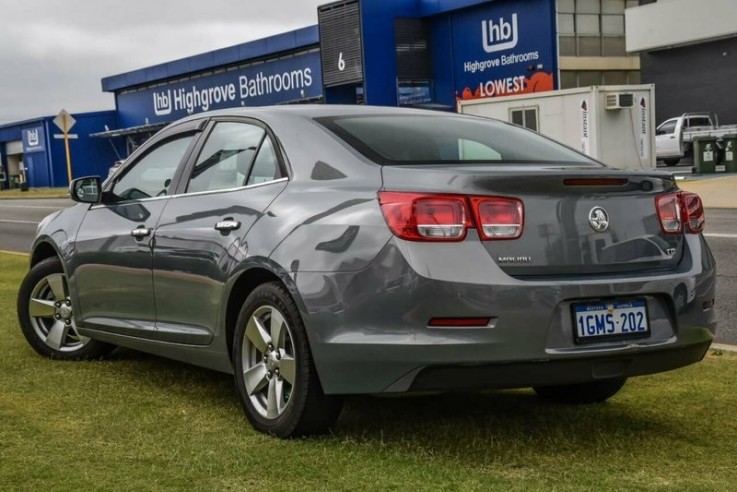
[512, 271]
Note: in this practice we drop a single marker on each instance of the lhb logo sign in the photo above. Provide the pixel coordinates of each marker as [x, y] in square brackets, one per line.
[501, 35]
[33, 139]
[162, 103]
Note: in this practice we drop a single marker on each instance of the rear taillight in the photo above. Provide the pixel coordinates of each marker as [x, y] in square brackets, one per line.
[444, 217]
[425, 217]
[693, 212]
[669, 213]
[498, 217]
[680, 210]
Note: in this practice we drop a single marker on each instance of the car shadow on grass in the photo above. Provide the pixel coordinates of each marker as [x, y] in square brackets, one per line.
[449, 423]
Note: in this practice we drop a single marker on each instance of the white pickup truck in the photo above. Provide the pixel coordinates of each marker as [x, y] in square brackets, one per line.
[673, 137]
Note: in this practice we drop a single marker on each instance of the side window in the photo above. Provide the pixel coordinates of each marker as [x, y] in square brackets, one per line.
[700, 121]
[226, 157]
[266, 165]
[151, 176]
[667, 128]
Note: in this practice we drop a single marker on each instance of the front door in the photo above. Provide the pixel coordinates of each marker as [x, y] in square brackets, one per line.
[667, 140]
[111, 270]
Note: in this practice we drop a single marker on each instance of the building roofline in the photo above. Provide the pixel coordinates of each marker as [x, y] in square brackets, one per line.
[37, 119]
[287, 41]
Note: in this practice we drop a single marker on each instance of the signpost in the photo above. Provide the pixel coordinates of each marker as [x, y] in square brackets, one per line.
[65, 122]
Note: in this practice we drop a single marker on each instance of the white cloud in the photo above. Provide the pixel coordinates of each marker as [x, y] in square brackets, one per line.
[53, 54]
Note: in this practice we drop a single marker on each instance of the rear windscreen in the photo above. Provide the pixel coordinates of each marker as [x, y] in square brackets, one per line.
[443, 138]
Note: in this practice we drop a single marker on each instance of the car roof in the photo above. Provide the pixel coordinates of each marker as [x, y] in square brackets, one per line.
[312, 111]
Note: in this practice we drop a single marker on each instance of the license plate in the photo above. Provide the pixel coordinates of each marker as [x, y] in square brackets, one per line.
[610, 320]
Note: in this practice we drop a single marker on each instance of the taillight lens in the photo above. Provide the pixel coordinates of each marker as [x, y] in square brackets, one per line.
[498, 217]
[669, 213]
[693, 212]
[445, 217]
[680, 210]
[425, 217]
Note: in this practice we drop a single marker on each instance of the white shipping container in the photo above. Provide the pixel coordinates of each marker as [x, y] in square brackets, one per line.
[613, 124]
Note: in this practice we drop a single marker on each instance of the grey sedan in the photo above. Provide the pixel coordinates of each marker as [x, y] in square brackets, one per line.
[320, 251]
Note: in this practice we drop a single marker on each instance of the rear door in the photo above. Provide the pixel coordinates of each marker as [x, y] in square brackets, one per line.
[232, 178]
[112, 264]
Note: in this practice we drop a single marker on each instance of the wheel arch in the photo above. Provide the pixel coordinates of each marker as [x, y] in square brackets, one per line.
[42, 250]
[251, 274]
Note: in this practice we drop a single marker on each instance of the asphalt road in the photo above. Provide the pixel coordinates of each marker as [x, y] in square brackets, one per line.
[18, 219]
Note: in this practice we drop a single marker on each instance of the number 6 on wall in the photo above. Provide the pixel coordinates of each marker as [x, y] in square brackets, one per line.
[341, 62]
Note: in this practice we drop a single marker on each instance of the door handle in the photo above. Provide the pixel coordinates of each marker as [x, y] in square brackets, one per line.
[227, 225]
[141, 232]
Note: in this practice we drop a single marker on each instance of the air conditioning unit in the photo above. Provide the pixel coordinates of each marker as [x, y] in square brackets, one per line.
[620, 100]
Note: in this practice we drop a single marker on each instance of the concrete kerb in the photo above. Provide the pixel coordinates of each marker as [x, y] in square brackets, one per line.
[32, 197]
[13, 253]
[723, 347]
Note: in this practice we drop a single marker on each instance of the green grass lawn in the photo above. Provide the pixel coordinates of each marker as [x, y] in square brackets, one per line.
[139, 422]
[35, 193]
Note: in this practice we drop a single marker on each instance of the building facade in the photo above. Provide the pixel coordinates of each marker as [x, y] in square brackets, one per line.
[592, 43]
[689, 51]
[420, 53]
[33, 152]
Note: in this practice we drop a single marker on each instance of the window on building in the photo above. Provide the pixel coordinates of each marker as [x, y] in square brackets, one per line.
[568, 79]
[584, 78]
[526, 117]
[592, 27]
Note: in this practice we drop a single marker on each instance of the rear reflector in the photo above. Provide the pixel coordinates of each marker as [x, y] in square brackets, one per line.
[459, 322]
[498, 217]
[425, 217]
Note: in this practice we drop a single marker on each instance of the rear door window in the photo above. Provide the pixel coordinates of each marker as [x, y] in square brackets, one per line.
[266, 166]
[227, 157]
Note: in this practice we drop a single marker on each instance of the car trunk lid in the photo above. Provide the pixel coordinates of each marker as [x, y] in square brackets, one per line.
[577, 220]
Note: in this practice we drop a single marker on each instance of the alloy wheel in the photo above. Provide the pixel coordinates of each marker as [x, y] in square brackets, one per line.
[269, 365]
[51, 314]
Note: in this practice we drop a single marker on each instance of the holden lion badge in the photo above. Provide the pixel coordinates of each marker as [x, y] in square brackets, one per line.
[599, 219]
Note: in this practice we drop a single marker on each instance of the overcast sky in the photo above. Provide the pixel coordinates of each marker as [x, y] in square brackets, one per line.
[53, 53]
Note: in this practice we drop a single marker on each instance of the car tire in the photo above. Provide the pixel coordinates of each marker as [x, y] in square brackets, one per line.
[583, 393]
[275, 374]
[671, 162]
[46, 316]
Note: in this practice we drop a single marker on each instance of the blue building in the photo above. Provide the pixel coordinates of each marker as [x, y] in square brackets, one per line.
[32, 151]
[380, 52]
[421, 53]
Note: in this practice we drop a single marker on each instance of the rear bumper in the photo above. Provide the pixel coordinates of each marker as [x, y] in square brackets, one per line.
[369, 329]
[555, 372]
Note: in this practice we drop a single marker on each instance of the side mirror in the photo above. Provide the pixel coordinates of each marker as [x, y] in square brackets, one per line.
[85, 190]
